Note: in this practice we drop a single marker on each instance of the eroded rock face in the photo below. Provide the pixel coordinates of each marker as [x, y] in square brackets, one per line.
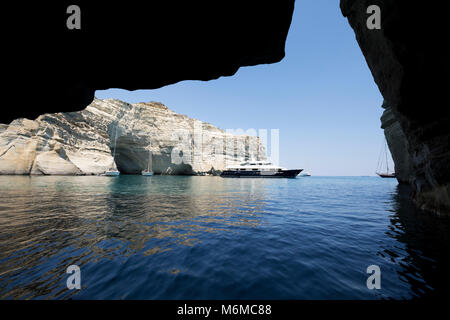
[409, 61]
[82, 142]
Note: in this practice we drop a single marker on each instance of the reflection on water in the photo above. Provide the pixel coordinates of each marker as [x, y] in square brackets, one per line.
[425, 263]
[206, 237]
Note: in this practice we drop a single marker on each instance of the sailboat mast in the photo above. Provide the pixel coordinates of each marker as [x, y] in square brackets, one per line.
[385, 150]
[115, 142]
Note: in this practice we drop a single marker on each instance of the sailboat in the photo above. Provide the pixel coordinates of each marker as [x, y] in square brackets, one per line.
[148, 172]
[385, 174]
[112, 172]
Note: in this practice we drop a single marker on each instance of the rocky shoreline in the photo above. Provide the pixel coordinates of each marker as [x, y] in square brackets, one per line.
[81, 143]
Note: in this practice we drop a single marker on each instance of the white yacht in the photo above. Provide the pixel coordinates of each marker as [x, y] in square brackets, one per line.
[259, 169]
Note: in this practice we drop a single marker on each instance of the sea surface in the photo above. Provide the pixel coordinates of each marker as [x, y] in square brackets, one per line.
[190, 237]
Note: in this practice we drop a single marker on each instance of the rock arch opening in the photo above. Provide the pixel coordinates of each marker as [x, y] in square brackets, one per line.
[132, 156]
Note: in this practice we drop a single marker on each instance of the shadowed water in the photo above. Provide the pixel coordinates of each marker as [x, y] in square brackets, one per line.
[167, 237]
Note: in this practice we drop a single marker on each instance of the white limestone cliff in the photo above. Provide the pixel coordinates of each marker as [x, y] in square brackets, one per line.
[78, 143]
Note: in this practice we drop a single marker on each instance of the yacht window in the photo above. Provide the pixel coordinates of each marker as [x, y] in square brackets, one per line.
[255, 169]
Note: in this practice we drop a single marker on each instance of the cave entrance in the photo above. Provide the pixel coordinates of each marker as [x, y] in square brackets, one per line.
[131, 156]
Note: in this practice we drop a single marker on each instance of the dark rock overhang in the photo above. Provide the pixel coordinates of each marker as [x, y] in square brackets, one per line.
[131, 45]
[409, 60]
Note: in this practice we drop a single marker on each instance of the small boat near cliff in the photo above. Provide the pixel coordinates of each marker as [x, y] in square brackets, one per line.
[259, 169]
[384, 174]
[148, 172]
[112, 172]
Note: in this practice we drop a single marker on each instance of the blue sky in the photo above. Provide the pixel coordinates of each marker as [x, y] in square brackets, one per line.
[321, 96]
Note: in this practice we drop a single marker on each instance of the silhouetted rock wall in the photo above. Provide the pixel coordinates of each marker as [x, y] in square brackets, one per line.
[408, 58]
[131, 45]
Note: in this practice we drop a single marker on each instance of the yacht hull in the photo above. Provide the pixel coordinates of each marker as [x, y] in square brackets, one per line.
[386, 175]
[261, 174]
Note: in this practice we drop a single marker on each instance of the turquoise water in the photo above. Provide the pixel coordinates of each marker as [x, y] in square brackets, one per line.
[175, 237]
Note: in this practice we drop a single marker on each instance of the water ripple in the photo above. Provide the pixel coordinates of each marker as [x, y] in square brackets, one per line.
[206, 237]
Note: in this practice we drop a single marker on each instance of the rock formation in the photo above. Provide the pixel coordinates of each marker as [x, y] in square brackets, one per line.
[408, 58]
[131, 45]
[82, 142]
